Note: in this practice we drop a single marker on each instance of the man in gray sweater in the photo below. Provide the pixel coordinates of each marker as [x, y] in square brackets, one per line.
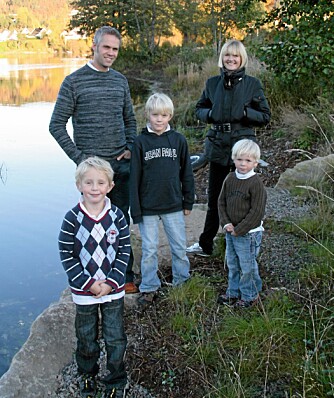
[97, 98]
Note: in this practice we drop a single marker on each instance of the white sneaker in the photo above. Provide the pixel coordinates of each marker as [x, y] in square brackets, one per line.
[196, 249]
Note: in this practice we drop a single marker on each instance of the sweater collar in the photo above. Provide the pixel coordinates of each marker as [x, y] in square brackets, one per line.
[244, 176]
[149, 129]
[107, 207]
[90, 64]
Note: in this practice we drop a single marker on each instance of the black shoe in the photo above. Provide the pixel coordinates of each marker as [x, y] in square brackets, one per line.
[227, 300]
[114, 393]
[88, 386]
[147, 298]
[247, 304]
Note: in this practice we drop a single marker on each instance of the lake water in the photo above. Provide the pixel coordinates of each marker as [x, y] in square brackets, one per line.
[36, 190]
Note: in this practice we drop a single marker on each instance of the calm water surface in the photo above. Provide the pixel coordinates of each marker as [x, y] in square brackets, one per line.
[36, 190]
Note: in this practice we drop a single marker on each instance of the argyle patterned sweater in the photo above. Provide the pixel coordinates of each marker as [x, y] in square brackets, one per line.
[92, 250]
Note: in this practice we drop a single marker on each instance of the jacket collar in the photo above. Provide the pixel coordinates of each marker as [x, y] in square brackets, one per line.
[231, 79]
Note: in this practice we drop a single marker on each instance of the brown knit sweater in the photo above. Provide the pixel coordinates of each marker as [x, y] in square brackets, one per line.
[242, 203]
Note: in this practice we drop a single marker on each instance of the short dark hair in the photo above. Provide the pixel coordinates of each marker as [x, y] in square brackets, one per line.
[106, 30]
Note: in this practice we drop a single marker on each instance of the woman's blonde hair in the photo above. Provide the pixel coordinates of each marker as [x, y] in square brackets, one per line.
[96, 163]
[159, 102]
[234, 47]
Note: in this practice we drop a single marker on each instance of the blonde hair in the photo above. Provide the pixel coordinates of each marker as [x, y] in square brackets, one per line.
[96, 163]
[159, 102]
[246, 147]
[234, 47]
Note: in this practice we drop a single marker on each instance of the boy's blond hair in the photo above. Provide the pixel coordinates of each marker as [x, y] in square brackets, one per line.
[246, 147]
[234, 47]
[96, 163]
[160, 103]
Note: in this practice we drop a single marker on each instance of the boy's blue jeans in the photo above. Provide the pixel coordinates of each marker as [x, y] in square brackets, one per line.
[243, 273]
[88, 349]
[174, 226]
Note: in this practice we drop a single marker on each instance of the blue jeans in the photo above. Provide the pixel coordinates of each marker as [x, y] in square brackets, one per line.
[243, 272]
[175, 230]
[88, 349]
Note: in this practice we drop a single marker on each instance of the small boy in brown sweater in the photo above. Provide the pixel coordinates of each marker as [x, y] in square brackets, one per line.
[241, 207]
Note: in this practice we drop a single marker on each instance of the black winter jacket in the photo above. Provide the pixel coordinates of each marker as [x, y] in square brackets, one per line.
[237, 99]
[161, 178]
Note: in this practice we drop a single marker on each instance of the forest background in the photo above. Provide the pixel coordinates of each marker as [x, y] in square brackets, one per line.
[287, 344]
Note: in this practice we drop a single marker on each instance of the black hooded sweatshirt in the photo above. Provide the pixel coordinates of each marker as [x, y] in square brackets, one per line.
[161, 178]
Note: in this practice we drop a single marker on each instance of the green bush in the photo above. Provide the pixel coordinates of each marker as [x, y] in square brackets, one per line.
[298, 46]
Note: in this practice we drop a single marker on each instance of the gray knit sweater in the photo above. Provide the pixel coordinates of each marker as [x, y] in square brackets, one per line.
[242, 203]
[103, 119]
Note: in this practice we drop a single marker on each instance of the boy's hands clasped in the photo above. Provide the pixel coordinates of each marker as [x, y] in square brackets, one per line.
[230, 228]
[100, 288]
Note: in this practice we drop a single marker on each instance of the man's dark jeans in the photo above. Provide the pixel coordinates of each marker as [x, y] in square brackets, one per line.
[120, 197]
[88, 349]
[217, 175]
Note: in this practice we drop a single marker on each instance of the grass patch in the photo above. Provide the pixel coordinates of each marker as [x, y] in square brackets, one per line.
[281, 348]
[238, 350]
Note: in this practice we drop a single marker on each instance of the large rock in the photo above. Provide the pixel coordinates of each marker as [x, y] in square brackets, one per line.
[49, 348]
[307, 173]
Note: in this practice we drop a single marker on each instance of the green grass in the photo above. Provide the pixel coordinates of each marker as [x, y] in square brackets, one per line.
[286, 342]
[281, 348]
[236, 346]
[241, 352]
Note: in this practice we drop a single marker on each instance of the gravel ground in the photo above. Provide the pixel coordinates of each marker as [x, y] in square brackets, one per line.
[68, 383]
[282, 252]
[282, 206]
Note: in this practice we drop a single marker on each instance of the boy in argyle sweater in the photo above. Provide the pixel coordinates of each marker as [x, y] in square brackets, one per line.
[94, 245]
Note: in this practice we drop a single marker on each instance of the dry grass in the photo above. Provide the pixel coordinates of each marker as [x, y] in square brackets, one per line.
[295, 122]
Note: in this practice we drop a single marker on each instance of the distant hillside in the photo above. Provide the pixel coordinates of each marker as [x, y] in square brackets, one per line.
[23, 13]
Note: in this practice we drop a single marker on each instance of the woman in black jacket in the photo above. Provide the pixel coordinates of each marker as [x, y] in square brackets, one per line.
[234, 104]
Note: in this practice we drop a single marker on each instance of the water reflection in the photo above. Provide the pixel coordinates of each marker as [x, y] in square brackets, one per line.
[33, 79]
[37, 190]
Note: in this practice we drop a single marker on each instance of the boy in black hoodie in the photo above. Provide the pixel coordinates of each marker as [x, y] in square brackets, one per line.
[161, 188]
